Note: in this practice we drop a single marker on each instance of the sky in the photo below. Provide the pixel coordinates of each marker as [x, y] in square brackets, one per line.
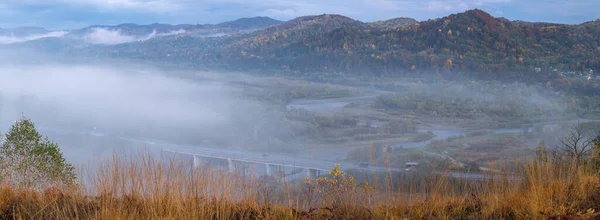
[71, 14]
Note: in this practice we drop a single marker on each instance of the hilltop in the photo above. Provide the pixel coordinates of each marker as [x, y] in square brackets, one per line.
[23, 31]
[249, 23]
[469, 42]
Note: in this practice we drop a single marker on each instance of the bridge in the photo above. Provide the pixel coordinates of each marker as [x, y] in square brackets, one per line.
[241, 160]
[268, 164]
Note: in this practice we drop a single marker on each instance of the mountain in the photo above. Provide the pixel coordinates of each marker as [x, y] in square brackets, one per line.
[250, 23]
[126, 33]
[134, 29]
[240, 25]
[395, 23]
[23, 31]
[472, 44]
[278, 36]
[239, 51]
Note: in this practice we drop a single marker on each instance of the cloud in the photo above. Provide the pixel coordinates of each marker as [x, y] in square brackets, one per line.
[148, 5]
[461, 5]
[111, 37]
[9, 39]
[61, 13]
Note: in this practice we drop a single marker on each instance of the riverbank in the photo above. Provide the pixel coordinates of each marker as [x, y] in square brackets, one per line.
[471, 143]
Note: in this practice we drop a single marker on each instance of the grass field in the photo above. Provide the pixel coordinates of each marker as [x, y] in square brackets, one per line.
[144, 187]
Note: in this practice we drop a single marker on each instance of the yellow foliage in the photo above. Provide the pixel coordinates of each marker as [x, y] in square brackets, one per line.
[448, 64]
[450, 32]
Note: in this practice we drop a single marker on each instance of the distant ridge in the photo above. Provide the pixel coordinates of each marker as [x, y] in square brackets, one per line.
[23, 31]
[249, 23]
[472, 43]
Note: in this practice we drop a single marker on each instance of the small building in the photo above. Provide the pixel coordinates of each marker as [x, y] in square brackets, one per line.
[537, 69]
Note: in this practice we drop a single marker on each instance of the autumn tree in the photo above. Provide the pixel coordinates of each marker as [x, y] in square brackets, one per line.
[448, 64]
[29, 160]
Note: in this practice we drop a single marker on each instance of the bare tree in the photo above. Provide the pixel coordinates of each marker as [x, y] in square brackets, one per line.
[575, 147]
[595, 157]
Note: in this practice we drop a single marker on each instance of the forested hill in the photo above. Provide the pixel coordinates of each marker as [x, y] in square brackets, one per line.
[470, 42]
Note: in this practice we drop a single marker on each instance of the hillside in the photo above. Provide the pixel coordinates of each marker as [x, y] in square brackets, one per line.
[200, 30]
[22, 31]
[469, 42]
[473, 44]
[395, 23]
[71, 41]
[235, 51]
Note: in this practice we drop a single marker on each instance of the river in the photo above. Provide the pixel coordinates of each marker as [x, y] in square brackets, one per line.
[440, 132]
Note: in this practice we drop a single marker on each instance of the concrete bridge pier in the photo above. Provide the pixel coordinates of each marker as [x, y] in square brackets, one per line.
[244, 170]
[312, 173]
[230, 165]
[197, 161]
[274, 170]
[268, 169]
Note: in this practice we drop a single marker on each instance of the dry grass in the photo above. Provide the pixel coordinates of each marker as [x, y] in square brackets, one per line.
[143, 187]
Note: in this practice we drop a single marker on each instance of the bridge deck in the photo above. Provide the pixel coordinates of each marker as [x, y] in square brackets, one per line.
[272, 159]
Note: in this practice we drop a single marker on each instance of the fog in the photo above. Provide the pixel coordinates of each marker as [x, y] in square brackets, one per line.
[118, 100]
[111, 37]
[104, 36]
[10, 39]
[517, 96]
[94, 107]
